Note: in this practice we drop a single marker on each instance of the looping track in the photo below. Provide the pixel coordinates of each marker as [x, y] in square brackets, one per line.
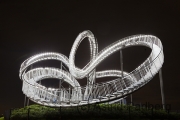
[92, 92]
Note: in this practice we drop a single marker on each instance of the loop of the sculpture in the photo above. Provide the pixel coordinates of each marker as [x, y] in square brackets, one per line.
[76, 72]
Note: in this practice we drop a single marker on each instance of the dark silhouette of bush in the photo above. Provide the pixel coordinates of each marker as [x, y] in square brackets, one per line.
[91, 112]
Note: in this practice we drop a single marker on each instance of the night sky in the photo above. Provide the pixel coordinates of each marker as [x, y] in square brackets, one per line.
[28, 28]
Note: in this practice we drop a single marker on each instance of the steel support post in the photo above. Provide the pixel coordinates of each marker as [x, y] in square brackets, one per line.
[60, 83]
[162, 88]
[28, 102]
[33, 78]
[60, 80]
[121, 59]
[24, 100]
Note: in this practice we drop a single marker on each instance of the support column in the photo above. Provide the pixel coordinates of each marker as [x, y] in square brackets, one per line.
[162, 88]
[33, 78]
[131, 99]
[60, 82]
[24, 100]
[69, 94]
[91, 78]
[28, 102]
[121, 59]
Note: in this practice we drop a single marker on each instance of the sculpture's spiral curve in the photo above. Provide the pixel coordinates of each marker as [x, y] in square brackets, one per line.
[93, 92]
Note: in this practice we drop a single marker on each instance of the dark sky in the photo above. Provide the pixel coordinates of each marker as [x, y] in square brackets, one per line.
[28, 28]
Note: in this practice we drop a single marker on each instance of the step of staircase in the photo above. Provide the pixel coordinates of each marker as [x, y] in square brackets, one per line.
[110, 95]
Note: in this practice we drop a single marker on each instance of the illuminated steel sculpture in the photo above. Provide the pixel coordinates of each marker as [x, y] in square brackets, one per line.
[92, 92]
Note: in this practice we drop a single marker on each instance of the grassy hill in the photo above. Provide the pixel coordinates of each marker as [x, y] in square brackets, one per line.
[1, 118]
[91, 112]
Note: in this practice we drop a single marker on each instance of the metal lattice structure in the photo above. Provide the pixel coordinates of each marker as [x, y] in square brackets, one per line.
[92, 92]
